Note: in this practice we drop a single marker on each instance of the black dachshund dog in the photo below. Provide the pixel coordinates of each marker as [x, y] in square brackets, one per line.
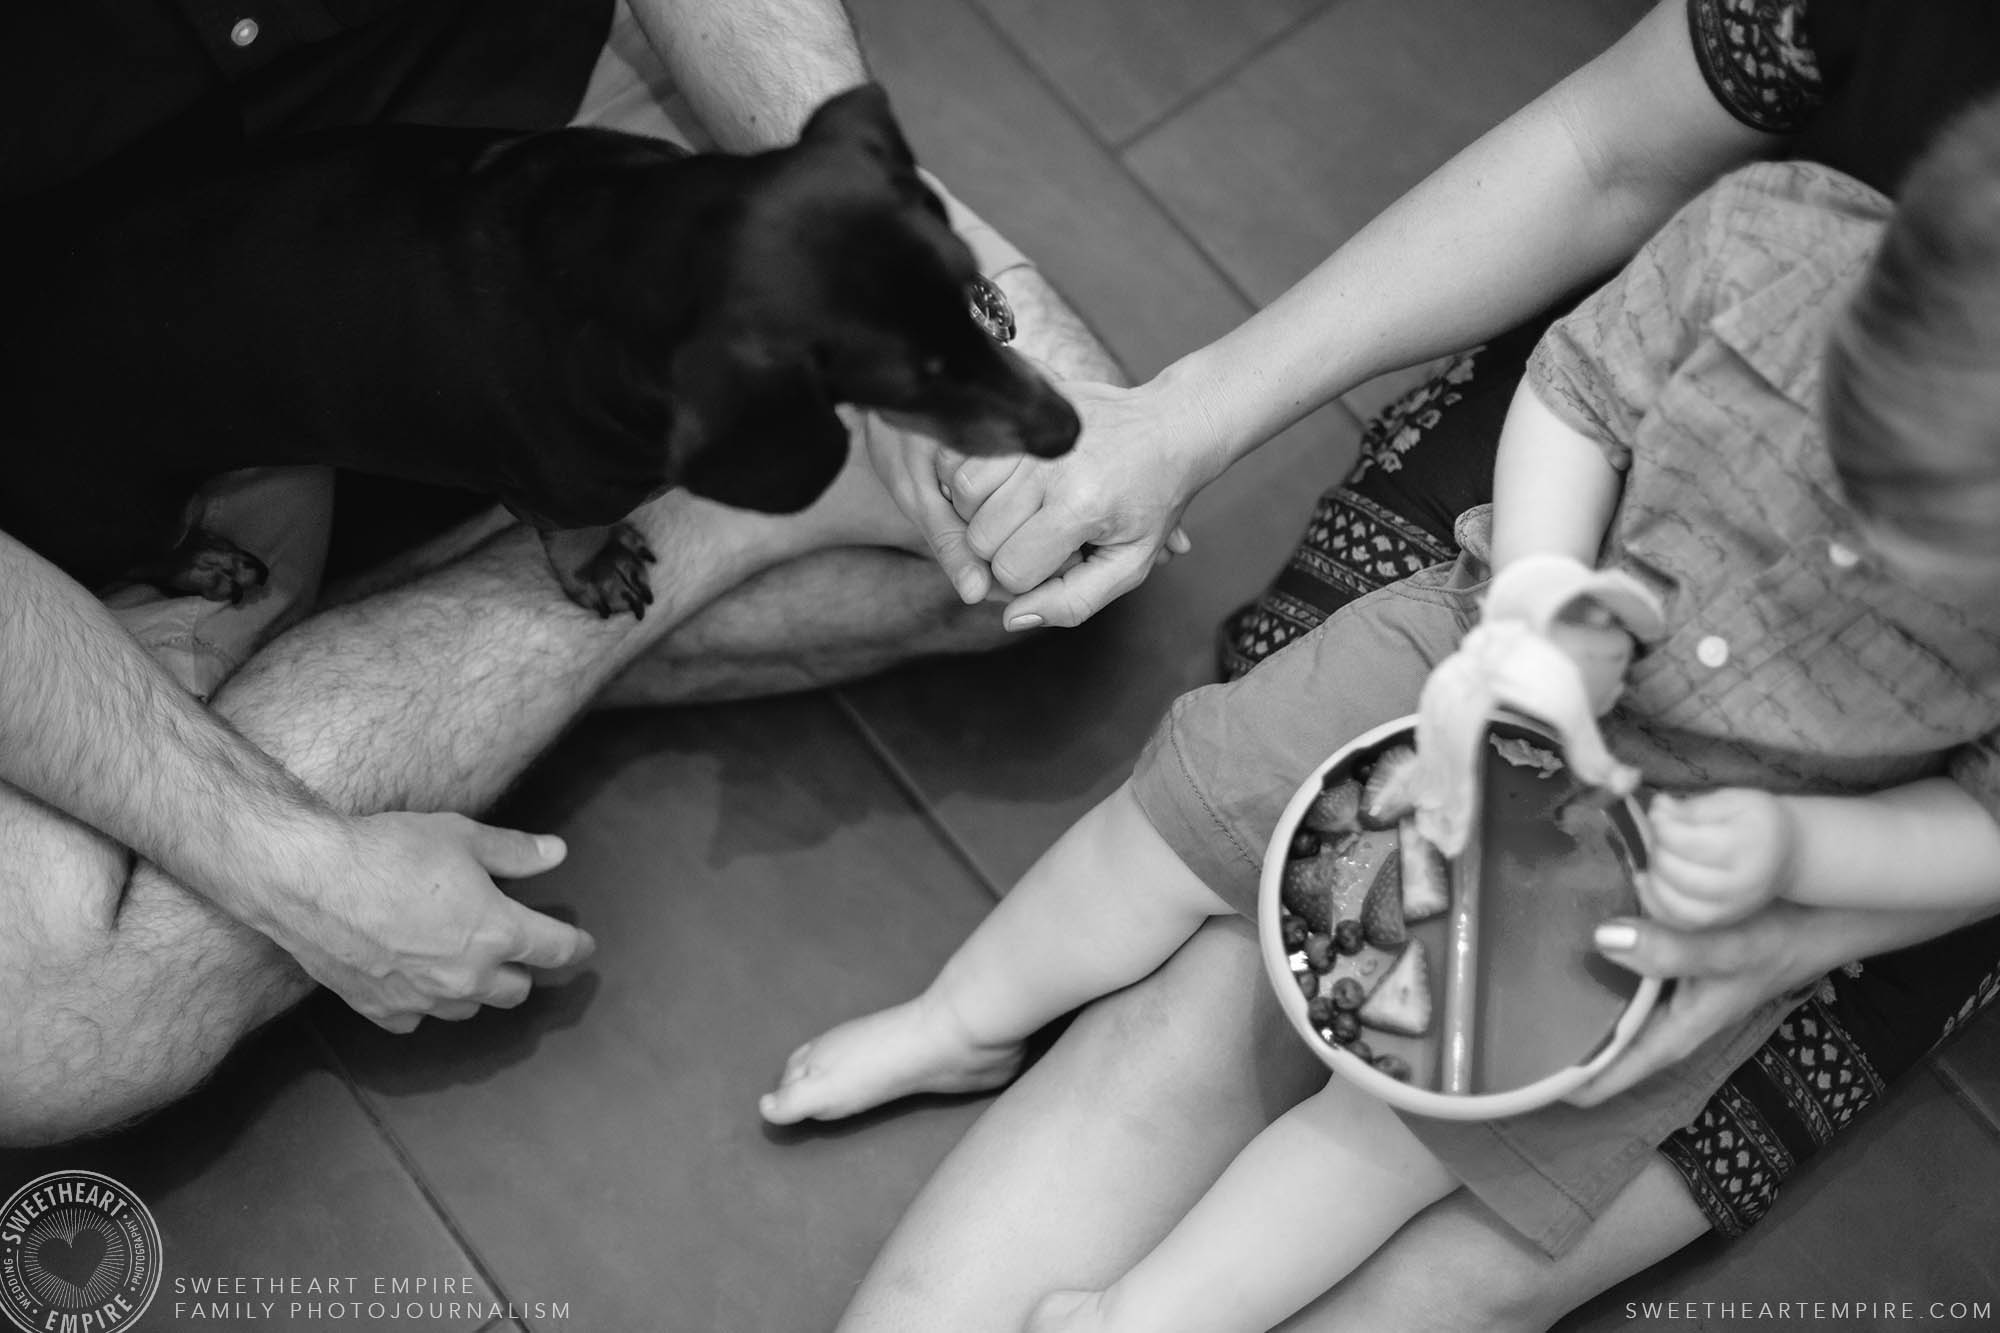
[571, 322]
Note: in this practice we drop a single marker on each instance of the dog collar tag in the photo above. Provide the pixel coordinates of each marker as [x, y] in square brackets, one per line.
[990, 310]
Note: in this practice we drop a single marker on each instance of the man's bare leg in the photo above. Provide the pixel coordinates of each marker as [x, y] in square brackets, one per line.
[431, 696]
[1082, 1167]
[824, 620]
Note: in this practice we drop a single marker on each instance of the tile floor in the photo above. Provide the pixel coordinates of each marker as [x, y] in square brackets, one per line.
[751, 868]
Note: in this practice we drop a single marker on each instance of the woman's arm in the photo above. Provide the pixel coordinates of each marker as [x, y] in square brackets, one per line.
[1561, 192]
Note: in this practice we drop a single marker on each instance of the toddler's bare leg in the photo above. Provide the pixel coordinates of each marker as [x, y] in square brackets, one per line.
[1297, 1211]
[1101, 909]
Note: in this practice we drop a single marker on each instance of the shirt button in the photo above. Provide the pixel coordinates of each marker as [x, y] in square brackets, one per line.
[1843, 557]
[1712, 651]
[244, 33]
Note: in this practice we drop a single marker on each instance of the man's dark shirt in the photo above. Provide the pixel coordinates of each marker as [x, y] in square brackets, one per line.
[138, 86]
[101, 96]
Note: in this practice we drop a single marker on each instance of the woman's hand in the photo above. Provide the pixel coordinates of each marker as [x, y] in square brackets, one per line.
[1072, 534]
[1721, 977]
[1717, 856]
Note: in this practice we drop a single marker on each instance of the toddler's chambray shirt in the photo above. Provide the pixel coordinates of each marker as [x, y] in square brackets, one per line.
[1792, 660]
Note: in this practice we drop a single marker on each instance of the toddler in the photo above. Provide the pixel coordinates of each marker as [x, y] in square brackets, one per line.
[1783, 418]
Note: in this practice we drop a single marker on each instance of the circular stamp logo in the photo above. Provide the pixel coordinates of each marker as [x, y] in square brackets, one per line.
[78, 1254]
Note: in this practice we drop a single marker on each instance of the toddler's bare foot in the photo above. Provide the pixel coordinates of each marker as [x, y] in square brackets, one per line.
[913, 1047]
[1068, 1312]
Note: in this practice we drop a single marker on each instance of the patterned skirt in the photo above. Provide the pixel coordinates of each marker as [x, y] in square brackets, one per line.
[1426, 459]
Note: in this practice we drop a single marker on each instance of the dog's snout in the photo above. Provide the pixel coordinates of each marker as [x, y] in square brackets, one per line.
[1052, 427]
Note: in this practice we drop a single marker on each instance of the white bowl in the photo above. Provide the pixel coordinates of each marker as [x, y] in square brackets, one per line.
[1409, 1097]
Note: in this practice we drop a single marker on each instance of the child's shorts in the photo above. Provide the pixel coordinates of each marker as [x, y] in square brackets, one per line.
[1215, 778]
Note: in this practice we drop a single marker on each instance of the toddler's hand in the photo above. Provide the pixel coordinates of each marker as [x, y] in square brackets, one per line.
[1717, 857]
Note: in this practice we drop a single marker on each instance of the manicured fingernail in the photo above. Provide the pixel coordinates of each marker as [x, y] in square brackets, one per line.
[1024, 622]
[1616, 936]
[549, 845]
[968, 587]
[944, 489]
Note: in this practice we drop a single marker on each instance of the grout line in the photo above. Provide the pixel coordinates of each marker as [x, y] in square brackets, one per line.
[1974, 1104]
[1110, 150]
[906, 782]
[408, 1162]
[1115, 150]
[1222, 76]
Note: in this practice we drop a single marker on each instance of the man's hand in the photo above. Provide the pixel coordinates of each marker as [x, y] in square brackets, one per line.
[1072, 534]
[910, 464]
[1718, 856]
[1724, 976]
[403, 921]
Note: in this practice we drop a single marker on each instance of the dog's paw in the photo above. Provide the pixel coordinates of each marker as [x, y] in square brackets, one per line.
[205, 565]
[613, 578]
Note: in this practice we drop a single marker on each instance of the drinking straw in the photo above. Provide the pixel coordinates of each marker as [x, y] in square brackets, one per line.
[1461, 958]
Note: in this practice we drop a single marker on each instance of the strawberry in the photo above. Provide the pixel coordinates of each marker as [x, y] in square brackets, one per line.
[1402, 1001]
[1309, 888]
[1426, 877]
[1382, 909]
[1336, 811]
[1387, 797]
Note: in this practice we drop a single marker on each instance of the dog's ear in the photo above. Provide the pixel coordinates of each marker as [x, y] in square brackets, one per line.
[862, 116]
[759, 434]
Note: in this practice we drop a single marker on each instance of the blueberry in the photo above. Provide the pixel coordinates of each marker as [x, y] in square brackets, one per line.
[1347, 994]
[1308, 982]
[1319, 1011]
[1349, 936]
[1395, 1066]
[1319, 952]
[1363, 1049]
[1346, 1027]
[1304, 843]
[1294, 931]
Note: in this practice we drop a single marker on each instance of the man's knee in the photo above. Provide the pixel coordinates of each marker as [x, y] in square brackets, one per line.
[47, 1053]
[106, 1025]
[958, 628]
